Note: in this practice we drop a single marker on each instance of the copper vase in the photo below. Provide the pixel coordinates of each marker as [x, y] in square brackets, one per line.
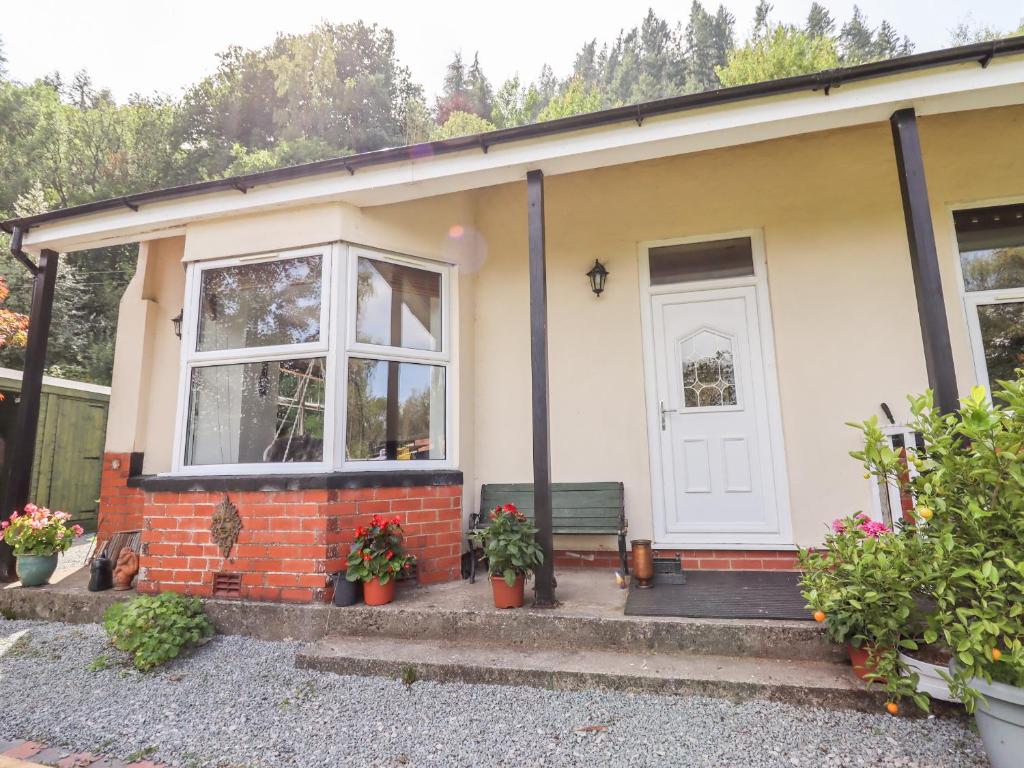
[643, 563]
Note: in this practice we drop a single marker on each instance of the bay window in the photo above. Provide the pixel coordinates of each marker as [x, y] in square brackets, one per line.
[323, 358]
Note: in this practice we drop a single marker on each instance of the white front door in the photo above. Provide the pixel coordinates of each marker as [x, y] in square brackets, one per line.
[718, 475]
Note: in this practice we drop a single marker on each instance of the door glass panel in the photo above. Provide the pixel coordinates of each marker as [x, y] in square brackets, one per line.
[708, 373]
[260, 305]
[712, 260]
[398, 306]
[1002, 337]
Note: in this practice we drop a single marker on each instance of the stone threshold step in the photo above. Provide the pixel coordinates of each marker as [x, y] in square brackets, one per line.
[810, 683]
[537, 630]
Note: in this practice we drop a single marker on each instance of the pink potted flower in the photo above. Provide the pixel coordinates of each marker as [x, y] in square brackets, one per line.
[37, 537]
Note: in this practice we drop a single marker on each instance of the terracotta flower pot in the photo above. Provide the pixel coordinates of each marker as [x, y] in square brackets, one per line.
[506, 596]
[859, 659]
[375, 593]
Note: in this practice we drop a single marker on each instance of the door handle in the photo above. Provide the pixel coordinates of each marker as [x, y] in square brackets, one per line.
[665, 410]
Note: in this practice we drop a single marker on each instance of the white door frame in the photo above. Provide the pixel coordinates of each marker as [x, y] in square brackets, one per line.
[759, 281]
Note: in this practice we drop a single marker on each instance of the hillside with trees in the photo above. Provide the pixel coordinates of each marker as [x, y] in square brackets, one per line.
[338, 89]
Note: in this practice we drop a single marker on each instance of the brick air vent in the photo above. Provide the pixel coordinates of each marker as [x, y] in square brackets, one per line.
[227, 584]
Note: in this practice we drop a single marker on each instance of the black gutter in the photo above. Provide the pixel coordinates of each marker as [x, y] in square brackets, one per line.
[16, 236]
[982, 53]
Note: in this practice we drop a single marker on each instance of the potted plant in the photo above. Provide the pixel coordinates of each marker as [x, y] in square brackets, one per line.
[863, 587]
[377, 559]
[37, 537]
[512, 552]
[969, 505]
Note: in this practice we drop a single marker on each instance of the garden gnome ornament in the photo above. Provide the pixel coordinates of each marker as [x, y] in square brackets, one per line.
[126, 568]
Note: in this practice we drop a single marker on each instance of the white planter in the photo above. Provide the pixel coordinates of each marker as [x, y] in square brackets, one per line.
[928, 678]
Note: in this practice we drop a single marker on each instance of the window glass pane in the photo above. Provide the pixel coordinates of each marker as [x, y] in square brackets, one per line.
[398, 306]
[1002, 336]
[991, 247]
[259, 305]
[701, 261]
[396, 411]
[256, 412]
[709, 377]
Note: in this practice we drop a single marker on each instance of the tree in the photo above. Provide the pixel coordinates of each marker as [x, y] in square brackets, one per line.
[481, 97]
[13, 325]
[856, 44]
[576, 99]
[3, 60]
[709, 39]
[462, 124]
[967, 32]
[761, 22]
[781, 52]
[820, 22]
[516, 104]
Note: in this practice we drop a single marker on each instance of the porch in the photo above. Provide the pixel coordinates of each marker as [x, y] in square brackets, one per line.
[452, 633]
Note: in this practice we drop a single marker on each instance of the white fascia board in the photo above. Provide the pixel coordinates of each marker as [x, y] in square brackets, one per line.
[53, 381]
[930, 91]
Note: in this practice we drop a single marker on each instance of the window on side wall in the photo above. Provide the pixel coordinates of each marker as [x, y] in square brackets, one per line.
[991, 243]
[318, 359]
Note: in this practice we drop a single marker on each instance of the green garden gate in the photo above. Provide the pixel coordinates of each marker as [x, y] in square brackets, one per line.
[68, 458]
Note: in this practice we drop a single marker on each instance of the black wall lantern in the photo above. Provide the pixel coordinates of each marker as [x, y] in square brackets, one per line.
[176, 322]
[598, 277]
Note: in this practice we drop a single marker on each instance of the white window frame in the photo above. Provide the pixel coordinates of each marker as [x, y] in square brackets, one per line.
[337, 343]
[972, 300]
[352, 348]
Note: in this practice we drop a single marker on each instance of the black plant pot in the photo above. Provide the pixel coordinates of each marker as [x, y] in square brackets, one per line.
[346, 592]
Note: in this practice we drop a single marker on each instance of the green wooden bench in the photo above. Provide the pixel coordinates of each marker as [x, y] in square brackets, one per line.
[576, 508]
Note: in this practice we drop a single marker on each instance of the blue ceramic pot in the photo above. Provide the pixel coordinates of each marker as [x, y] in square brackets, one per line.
[36, 570]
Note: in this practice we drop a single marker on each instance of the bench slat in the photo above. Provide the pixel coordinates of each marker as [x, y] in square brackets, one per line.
[577, 508]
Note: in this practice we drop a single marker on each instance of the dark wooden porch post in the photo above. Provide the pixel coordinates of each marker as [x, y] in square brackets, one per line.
[539, 367]
[931, 307]
[19, 465]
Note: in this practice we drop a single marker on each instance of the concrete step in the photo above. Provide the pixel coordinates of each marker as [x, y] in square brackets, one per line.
[536, 630]
[811, 683]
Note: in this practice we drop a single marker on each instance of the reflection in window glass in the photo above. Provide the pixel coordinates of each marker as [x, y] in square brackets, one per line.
[256, 412]
[396, 411]
[1002, 336]
[991, 247]
[398, 306]
[711, 260]
[260, 305]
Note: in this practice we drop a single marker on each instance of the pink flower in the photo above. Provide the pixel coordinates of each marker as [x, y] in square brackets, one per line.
[874, 528]
[79, 530]
[837, 526]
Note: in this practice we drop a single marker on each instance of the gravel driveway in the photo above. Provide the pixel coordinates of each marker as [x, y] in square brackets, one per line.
[240, 702]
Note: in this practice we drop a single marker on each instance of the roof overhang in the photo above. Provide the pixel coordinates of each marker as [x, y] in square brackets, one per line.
[475, 162]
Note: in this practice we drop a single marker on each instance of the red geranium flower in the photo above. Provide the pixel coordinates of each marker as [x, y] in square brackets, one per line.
[389, 554]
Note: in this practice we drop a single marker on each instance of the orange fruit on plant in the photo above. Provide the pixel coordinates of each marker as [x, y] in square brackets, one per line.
[996, 654]
[819, 616]
[892, 708]
[926, 513]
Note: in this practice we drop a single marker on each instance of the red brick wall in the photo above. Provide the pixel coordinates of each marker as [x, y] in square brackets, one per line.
[693, 559]
[120, 506]
[290, 540]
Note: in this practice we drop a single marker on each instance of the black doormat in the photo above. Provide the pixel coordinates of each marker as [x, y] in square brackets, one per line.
[723, 595]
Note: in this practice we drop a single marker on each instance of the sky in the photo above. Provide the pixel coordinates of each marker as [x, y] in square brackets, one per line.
[162, 47]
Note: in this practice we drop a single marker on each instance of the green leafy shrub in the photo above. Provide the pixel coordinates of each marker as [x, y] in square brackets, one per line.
[865, 582]
[155, 629]
[969, 494]
[509, 544]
